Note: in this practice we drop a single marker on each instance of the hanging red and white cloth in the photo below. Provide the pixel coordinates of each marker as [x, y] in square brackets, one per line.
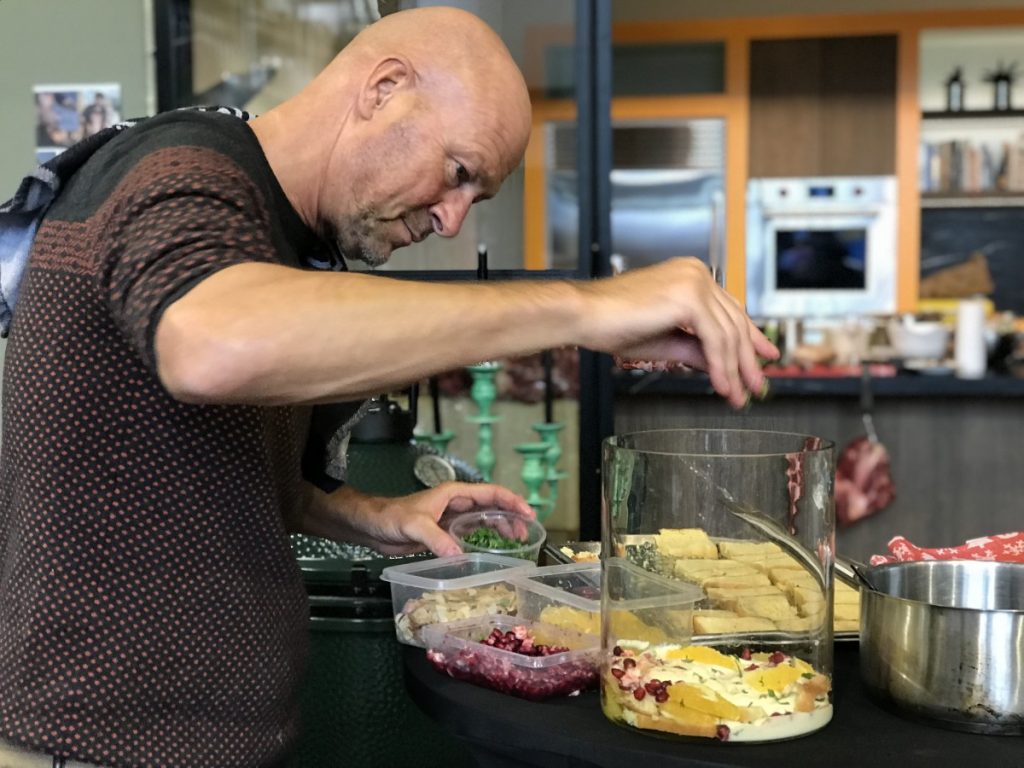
[1004, 547]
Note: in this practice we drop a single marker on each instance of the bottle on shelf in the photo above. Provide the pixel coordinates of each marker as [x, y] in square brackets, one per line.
[955, 91]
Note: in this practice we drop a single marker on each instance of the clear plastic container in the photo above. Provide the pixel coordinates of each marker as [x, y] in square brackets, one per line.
[450, 589]
[639, 606]
[529, 535]
[638, 603]
[748, 517]
[458, 650]
[567, 596]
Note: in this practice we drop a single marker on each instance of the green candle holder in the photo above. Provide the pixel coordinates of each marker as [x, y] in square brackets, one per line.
[534, 475]
[440, 440]
[548, 432]
[484, 392]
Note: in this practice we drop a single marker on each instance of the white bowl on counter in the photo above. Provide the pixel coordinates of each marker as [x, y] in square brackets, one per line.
[919, 339]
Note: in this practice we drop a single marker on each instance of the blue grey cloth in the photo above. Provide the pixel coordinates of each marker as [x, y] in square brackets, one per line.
[21, 215]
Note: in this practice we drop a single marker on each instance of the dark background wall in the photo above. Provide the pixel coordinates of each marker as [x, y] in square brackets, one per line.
[950, 235]
[956, 462]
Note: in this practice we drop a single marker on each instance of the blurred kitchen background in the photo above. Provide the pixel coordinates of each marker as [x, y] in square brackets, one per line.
[852, 171]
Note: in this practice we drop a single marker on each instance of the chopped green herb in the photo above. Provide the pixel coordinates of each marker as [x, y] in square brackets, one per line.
[807, 675]
[488, 538]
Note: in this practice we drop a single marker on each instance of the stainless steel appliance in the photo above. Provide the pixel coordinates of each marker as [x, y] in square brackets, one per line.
[667, 192]
[820, 247]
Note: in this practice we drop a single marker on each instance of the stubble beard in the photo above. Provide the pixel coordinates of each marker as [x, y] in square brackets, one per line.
[359, 241]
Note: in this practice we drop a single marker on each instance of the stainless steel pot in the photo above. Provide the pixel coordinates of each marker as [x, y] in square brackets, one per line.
[944, 641]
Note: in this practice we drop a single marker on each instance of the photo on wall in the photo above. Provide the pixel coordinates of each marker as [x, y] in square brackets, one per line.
[66, 114]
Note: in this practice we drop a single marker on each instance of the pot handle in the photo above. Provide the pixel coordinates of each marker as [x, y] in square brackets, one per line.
[853, 573]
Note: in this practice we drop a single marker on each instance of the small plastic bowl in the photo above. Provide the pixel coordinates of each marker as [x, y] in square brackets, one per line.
[529, 533]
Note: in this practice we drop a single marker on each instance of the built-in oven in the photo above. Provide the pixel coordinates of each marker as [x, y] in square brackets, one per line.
[821, 247]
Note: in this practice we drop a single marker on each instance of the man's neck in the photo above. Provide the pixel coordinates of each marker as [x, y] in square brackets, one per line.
[293, 159]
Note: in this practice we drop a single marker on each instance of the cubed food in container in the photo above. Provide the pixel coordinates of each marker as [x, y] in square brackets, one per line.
[450, 589]
[646, 607]
[581, 551]
[567, 596]
[508, 654]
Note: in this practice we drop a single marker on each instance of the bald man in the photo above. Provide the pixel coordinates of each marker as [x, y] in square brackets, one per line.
[168, 341]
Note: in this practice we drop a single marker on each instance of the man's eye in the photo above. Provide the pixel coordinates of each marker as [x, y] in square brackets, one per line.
[461, 174]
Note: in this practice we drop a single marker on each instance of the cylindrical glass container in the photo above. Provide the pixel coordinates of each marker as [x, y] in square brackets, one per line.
[749, 518]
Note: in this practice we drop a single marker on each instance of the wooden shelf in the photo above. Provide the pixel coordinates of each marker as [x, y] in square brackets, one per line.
[974, 114]
[972, 200]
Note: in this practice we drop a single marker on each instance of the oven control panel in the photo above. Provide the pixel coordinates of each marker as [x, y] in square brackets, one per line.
[845, 191]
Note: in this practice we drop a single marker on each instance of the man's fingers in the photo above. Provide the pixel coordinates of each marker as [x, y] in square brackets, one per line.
[487, 495]
[762, 345]
[423, 530]
[714, 339]
[749, 369]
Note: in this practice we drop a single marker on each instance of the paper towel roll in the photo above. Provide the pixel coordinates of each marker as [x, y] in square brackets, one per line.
[970, 352]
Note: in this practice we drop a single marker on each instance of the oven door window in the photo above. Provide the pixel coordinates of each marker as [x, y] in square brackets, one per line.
[821, 259]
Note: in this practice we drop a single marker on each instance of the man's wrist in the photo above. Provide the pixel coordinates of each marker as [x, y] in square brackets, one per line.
[333, 516]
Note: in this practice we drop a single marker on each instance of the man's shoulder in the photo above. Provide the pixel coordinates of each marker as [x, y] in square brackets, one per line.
[170, 144]
[224, 134]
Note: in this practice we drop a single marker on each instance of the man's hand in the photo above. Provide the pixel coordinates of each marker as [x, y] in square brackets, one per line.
[407, 524]
[674, 312]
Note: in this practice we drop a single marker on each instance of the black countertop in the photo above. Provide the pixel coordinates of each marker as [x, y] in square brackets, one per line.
[506, 731]
[633, 383]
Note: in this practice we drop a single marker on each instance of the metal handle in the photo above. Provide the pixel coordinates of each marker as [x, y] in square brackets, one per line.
[853, 573]
[867, 403]
[716, 239]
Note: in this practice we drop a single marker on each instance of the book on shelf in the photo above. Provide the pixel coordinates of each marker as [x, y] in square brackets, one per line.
[969, 167]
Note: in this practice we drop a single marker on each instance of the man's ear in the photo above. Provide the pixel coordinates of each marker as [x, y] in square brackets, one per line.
[385, 79]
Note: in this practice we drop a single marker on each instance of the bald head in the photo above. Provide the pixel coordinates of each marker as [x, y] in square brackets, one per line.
[421, 115]
[452, 52]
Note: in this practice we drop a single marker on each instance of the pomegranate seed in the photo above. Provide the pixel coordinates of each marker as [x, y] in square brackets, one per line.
[777, 658]
[639, 694]
[751, 668]
[618, 673]
[617, 651]
[745, 654]
[722, 733]
[661, 696]
[652, 687]
[629, 663]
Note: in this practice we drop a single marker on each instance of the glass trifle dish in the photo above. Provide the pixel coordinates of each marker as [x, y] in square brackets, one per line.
[746, 518]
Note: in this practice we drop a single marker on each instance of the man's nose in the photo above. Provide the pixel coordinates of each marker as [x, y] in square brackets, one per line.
[448, 215]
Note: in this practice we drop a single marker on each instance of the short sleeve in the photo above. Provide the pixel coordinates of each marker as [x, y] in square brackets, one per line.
[179, 216]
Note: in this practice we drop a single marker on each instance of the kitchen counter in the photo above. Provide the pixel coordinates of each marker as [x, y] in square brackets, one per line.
[504, 731]
[899, 385]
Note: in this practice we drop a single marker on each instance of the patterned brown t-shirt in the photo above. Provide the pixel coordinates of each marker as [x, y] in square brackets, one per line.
[151, 612]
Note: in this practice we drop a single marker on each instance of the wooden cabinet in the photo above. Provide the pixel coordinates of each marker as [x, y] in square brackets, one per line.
[823, 106]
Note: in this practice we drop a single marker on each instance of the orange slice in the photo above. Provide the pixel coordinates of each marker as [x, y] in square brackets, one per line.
[702, 700]
[702, 654]
[774, 679]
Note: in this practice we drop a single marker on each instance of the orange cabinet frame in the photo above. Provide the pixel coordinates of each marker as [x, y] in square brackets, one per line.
[733, 107]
